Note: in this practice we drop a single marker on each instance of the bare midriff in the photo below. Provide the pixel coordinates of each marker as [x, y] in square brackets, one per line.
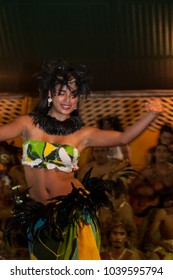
[46, 184]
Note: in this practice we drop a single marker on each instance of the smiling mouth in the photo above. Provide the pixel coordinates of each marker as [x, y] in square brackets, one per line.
[66, 106]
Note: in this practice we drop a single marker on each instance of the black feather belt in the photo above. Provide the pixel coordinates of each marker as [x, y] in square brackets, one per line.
[61, 210]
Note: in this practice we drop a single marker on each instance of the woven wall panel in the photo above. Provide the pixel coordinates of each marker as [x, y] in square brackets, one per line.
[128, 110]
[11, 107]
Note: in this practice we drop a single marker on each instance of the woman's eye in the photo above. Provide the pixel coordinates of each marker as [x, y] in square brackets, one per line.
[61, 92]
[74, 93]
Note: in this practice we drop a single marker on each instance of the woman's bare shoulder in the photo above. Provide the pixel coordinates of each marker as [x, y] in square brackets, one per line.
[15, 128]
[23, 121]
[23, 118]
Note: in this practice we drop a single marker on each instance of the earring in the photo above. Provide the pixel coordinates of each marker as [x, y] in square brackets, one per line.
[49, 101]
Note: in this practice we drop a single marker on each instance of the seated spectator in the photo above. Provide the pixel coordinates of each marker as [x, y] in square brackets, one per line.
[122, 210]
[146, 191]
[117, 237]
[150, 157]
[5, 184]
[160, 172]
[5, 163]
[3, 245]
[16, 172]
[113, 123]
[118, 153]
[159, 236]
[166, 135]
[100, 164]
[143, 199]
[6, 205]
[18, 245]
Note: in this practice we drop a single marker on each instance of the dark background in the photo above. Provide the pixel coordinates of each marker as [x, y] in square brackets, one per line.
[126, 44]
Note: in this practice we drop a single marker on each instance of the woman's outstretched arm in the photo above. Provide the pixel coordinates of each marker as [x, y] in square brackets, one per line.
[97, 137]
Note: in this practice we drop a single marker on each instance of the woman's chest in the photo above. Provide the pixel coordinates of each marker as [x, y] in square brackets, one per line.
[34, 133]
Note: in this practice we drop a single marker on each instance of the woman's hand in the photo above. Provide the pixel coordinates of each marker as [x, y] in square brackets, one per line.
[154, 106]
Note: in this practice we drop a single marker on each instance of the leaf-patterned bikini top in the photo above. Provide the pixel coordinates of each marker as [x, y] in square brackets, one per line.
[38, 154]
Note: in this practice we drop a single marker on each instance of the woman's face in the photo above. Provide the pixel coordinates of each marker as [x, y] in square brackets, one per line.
[65, 100]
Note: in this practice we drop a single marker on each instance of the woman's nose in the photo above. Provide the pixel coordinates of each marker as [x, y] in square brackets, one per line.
[67, 96]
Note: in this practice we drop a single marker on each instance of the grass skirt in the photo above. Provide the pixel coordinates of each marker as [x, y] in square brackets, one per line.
[67, 228]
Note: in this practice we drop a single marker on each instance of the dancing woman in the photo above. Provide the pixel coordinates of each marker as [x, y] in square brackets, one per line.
[59, 212]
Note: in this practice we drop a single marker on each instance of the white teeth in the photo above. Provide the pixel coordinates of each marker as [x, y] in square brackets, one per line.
[66, 106]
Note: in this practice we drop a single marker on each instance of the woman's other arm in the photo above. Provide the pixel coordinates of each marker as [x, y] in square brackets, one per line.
[13, 129]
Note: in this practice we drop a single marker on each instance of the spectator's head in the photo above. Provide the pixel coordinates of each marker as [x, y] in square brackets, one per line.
[166, 134]
[118, 234]
[110, 123]
[99, 154]
[162, 153]
[5, 155]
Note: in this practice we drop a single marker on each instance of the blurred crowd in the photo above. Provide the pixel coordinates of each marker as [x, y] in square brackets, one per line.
[140, 223]
[11, 174]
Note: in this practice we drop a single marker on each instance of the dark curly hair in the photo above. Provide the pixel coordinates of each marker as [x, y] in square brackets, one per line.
[166, 128]
[55, 72]
[113, 122]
